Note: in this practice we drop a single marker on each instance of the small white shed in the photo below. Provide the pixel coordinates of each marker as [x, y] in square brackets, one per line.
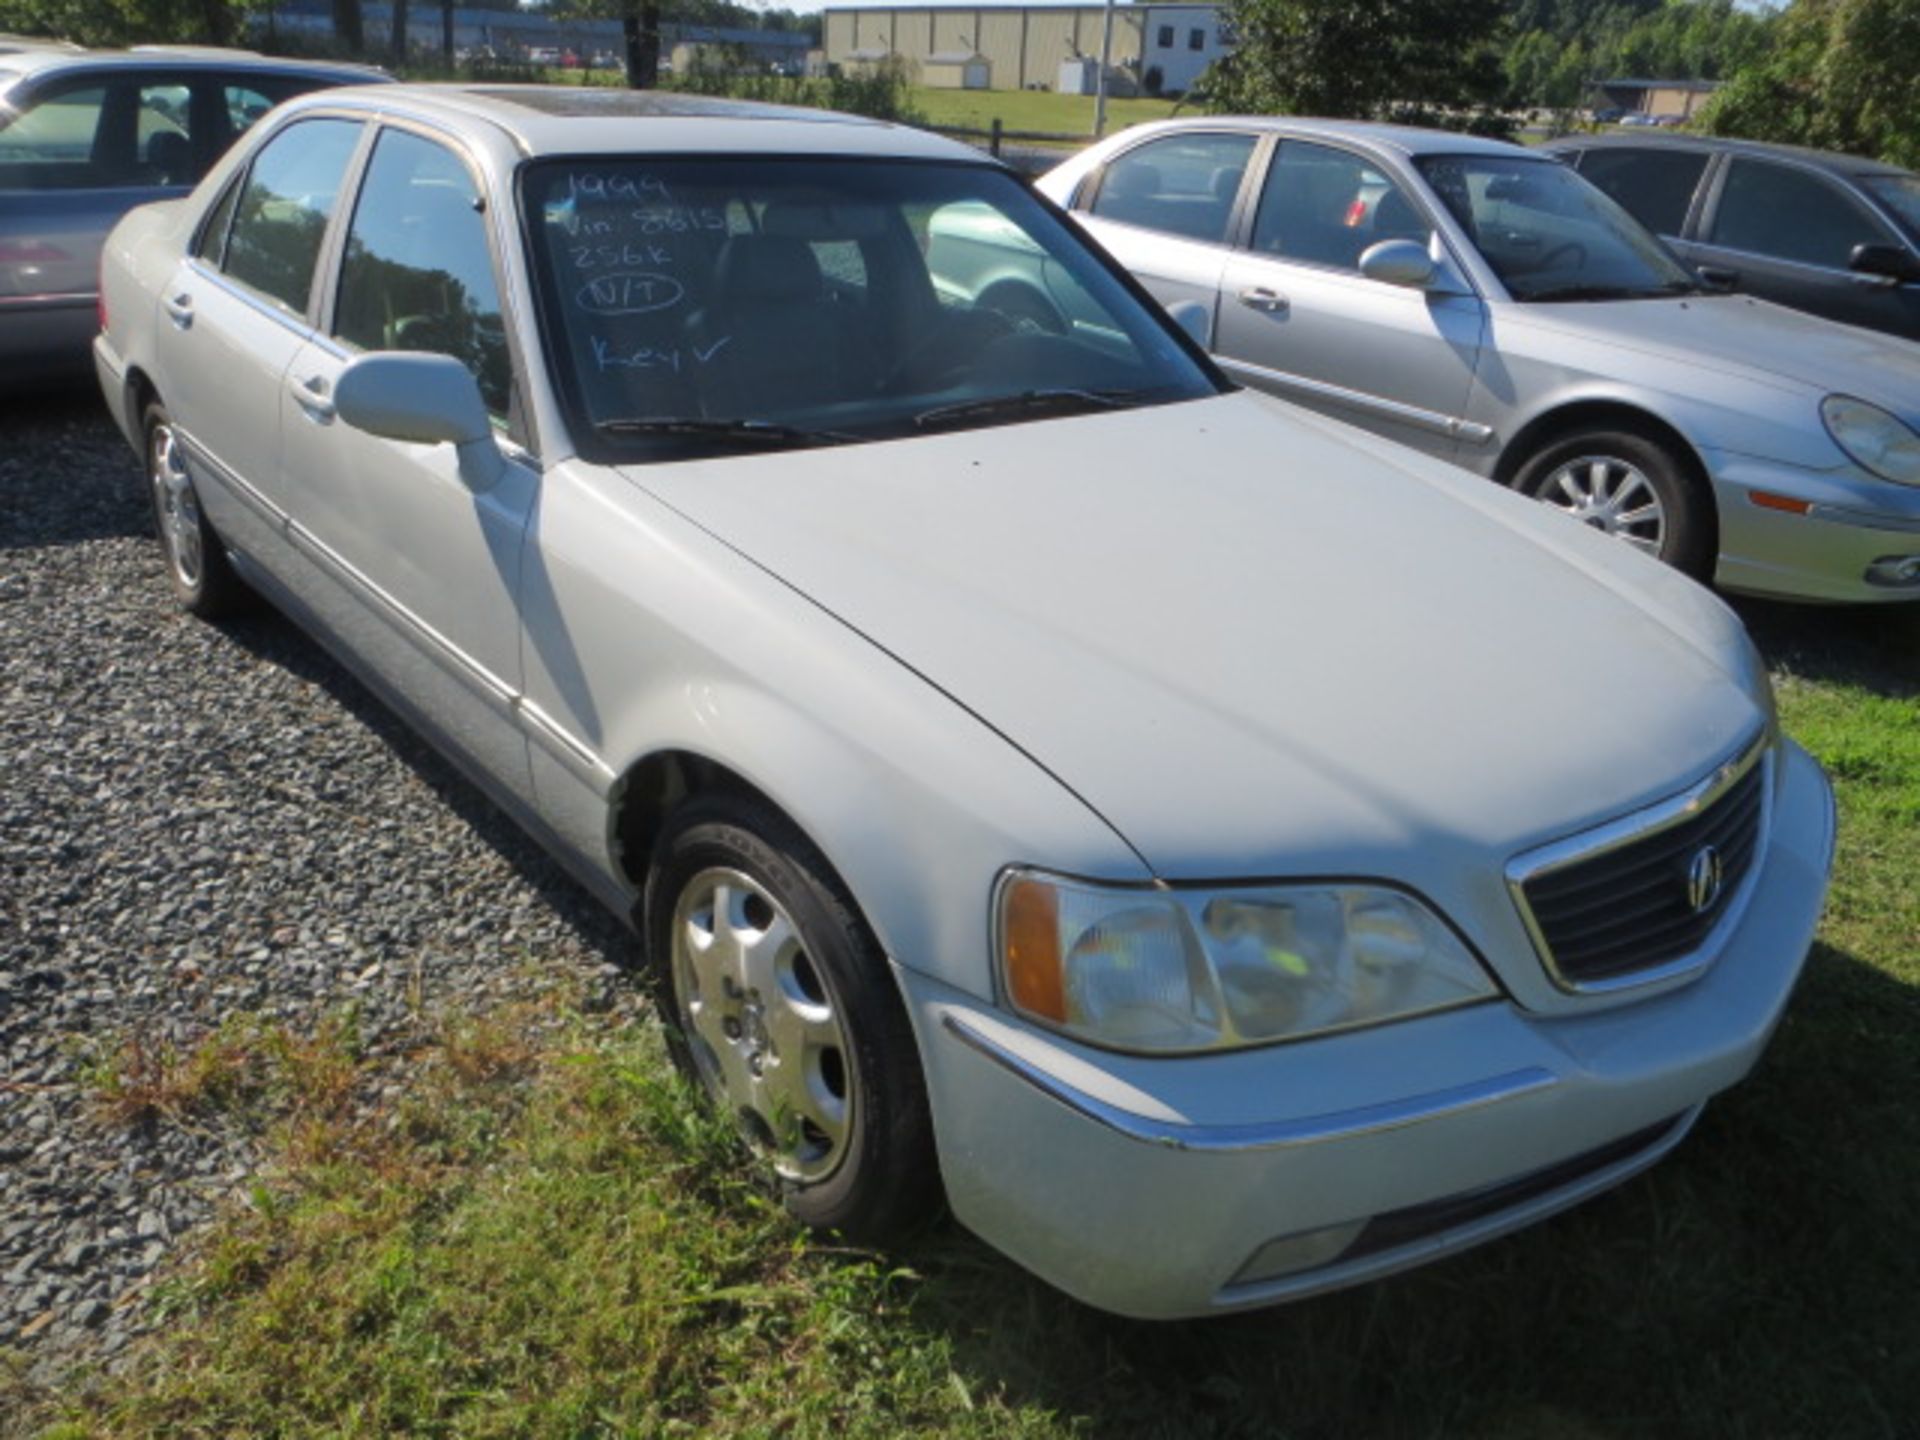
[956, 70]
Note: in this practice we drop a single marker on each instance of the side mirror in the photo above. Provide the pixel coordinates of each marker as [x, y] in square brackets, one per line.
[1399, 262]
[1887, 262]
[425, 399]
[1194, 318]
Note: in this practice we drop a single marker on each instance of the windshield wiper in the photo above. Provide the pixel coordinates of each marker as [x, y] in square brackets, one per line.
[753, 433]
[1027, 402]
[1610, 292]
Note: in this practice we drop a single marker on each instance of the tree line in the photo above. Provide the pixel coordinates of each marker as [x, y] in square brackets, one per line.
[1838, 74]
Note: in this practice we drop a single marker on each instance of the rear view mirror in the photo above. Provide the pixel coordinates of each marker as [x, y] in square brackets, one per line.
[424, 399]
[1398, 262]
[1888, 262]
[1518, 189]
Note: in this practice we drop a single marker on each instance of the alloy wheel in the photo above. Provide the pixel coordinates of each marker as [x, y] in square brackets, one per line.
[766, 1034]
[1611, 495]
[176, 505]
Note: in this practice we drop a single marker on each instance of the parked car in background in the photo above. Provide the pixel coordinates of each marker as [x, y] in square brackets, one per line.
[1234, 858]
[1488, 306]
[87, 135]
[1831, 234]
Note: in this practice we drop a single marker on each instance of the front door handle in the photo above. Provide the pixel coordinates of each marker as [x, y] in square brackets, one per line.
[180, 308]
[1261, 298]
[313, 397]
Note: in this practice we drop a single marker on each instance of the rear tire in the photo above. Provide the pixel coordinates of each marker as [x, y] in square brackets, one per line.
[1630, 486]
[780, 1005]
[202, 577]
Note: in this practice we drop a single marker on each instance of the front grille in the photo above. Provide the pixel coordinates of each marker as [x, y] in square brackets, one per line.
[1630, 908]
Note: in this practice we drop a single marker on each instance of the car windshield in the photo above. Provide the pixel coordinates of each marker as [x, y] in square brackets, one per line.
[701, 304]
[1550, 235]
[1900, 194]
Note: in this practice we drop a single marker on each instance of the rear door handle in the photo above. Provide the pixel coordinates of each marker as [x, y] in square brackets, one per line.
[180, 307]
[1261, 298]
[311, 393]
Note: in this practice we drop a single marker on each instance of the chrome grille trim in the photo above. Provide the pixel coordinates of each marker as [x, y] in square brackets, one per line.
[1641, 825]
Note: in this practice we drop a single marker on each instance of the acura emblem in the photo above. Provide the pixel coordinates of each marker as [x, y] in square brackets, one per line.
[1705, 873]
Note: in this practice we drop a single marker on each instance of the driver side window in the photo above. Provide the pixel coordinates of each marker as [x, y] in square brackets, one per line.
[1323, 206]
[418, 271]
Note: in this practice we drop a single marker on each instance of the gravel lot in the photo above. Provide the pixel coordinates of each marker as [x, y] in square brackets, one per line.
[199, 823]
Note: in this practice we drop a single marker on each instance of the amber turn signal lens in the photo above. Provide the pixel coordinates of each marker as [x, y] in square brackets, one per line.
[1030, 931]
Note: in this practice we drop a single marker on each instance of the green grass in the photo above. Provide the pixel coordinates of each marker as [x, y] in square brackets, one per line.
[544, 1238]
[1039, 111]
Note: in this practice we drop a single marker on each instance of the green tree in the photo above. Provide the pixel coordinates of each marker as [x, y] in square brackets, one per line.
[1436, 61]
[1844, 75]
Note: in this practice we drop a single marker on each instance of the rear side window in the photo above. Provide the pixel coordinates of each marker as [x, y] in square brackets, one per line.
[1183, 185]
[1790, 214]
[418, 273]
[1654, 186]
[94, 133]
[284, 207]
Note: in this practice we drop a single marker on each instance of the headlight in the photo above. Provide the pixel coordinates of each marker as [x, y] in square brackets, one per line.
[1169, 970]
[1883, 443]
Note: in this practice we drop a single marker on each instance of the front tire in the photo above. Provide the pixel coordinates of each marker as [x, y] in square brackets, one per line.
[1630, 486]
[203, 579]
[780, 1005]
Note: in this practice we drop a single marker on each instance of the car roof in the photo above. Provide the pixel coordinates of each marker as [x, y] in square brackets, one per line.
[1407, 140]
[38, 58]
[1833, 160]
[575, 120]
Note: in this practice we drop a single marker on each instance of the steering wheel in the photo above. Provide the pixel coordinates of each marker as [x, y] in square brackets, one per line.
[1547, 261]
[947, 351]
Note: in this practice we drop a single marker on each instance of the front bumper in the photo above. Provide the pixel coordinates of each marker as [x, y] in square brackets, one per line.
[1148, 1186]
[1853, 522]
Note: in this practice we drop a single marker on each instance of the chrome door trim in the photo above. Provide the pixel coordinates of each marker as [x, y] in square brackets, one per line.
[1455, 426]
[572, 752]
[241, 488]
[1334, 1125]
[498, 694]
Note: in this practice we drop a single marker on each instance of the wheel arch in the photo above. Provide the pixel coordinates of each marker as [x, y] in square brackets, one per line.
[137, 392]
[1546, 428]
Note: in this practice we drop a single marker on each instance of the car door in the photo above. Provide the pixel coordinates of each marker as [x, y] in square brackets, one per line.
[1785, 232]
[1297, 317]
[1164, 210]
[235, 311]
[420, 563]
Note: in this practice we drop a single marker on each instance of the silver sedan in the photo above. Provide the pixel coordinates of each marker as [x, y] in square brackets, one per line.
[1041, 774]
[1492, 308]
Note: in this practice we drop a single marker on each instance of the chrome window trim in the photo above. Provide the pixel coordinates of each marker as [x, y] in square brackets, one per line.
[1334, 1125]
[1630, 829]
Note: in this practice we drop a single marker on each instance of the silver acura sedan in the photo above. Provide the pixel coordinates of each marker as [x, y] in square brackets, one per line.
[1492, 308]
[1039, 774]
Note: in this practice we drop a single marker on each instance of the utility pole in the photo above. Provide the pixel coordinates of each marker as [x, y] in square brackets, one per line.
[1100, 82]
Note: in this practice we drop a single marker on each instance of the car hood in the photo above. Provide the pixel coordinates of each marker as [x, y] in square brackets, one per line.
[1255, 644]
[1756, 339]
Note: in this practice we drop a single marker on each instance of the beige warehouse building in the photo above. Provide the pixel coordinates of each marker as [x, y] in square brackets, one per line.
[1023, 47]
